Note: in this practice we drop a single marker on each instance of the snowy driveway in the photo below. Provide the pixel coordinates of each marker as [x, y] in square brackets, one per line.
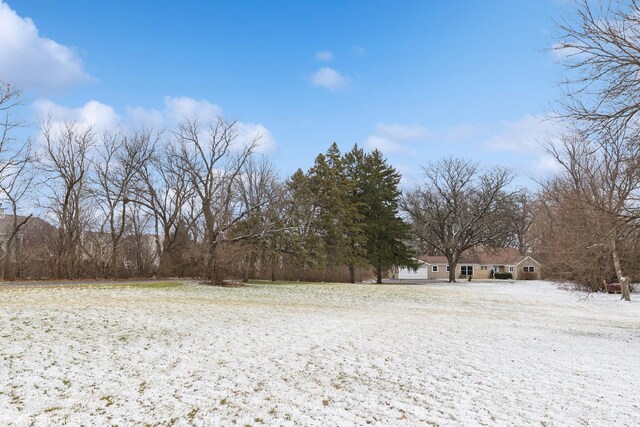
[467, 354]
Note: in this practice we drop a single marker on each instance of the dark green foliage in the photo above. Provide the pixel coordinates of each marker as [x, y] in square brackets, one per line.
[376, 196]
[344, 212]
[503, 275]
[338, 219]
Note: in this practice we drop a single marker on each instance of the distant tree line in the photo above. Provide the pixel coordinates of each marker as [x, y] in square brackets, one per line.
[197, 201]
[190, 201]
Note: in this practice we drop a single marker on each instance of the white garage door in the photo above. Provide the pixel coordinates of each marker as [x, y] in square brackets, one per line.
[406, 273]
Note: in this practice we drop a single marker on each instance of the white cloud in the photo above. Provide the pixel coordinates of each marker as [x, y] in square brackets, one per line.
[325, 55]
[328, 78]
[174, 110]
[31, 61]
[103, 117]
[526, 136]
[387, 146]
[185, 108]
[94, 113]
[390, 138]
[248, 132]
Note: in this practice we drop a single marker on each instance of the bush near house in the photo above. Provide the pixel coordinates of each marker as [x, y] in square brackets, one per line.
[503, 276]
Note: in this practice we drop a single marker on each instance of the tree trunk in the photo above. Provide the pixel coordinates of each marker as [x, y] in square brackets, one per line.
[626, 292]
[624, 281]
[215, 275]
[352, 274]
[378, 275]
[452, 269]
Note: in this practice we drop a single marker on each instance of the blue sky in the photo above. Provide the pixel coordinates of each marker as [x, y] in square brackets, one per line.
[417, 79]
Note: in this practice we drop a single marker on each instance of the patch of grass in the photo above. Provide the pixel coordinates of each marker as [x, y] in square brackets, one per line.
[106, 284]
[108, 400]
[284, 282]
[143, 285]
[192, 415]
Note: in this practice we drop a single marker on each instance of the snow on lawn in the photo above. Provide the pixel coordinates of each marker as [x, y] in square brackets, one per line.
[472, 353]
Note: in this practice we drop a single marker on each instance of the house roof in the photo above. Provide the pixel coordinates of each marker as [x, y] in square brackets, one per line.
[429, 259]
[498, 256]
[33, 224]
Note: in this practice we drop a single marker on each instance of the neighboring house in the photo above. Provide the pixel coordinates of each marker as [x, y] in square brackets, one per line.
[31, 250]
[477, 263]
[33, 232]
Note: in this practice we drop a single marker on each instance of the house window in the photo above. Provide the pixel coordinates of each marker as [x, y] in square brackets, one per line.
[483, 267]
[466, 270]
[510, 269]
[448, 269]
[434, 268]
[529, 269]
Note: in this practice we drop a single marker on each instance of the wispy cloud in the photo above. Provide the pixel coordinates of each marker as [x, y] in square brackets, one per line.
[328, 78]
[175, 109]
[526, 137]
[31, 61]
[325, 56]
[392, 138]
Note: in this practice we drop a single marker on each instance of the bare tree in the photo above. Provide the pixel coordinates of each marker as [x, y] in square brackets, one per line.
[164, 190]
[16, 175]
[303, 240]
[570, 235]
[260, 192]
[521, 218]
[213, 159]
[459, 207]
[601, 51]
[65, 161]
[604, 173]
[141, 249]
[119, 160]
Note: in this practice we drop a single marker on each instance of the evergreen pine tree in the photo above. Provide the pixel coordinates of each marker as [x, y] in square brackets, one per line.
[377, 199]
[338, 218]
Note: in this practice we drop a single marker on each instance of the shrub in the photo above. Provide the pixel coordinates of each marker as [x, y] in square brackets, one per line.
[503, 276]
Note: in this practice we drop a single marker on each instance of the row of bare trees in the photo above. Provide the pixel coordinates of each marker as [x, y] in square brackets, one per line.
[595, 195]
[128, 202]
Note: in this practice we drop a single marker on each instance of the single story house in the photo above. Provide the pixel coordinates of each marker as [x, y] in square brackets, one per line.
[477, 263]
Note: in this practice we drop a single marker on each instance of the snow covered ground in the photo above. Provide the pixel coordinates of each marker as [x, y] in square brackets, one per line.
[468, 354]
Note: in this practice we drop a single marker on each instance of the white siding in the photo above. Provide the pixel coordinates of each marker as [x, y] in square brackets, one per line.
[407, 273]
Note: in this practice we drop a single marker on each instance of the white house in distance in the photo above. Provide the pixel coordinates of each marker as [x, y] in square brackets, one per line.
[477, 263]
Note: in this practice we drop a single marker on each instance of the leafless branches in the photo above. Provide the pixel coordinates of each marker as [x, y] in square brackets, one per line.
[65, 161]
[459, 207]
[213, 159]
[601, 51]
[601, 178]
[16, 175]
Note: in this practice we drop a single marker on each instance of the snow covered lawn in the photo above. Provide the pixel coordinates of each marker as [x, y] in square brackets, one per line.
[473, 353]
